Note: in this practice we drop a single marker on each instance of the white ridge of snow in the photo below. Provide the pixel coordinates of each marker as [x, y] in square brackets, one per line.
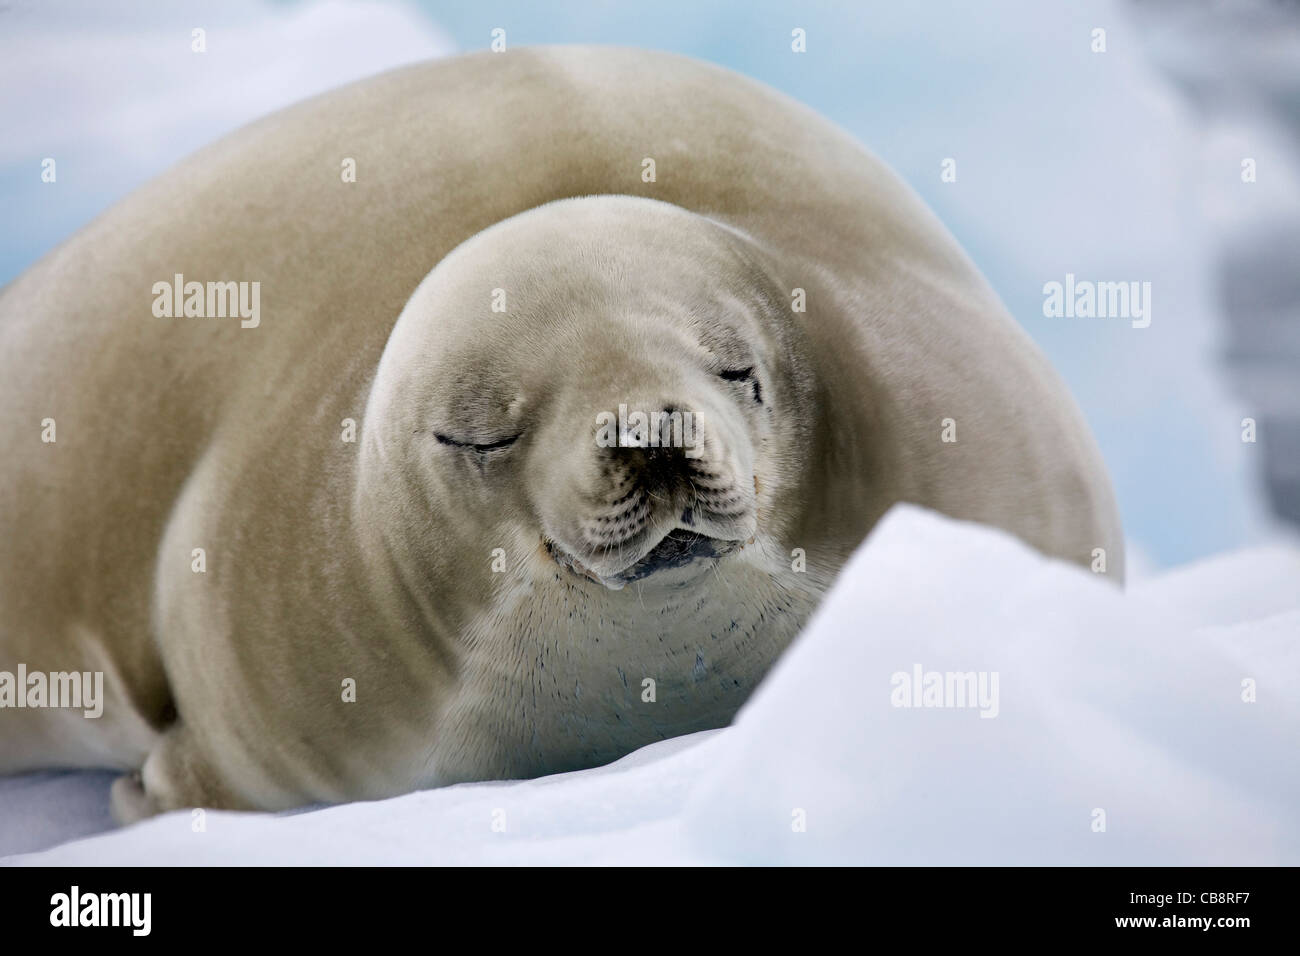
[1130, 704]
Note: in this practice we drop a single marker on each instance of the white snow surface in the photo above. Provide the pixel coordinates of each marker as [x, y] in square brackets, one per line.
[1127, 709]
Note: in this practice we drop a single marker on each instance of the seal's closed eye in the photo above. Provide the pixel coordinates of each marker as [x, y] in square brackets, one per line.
[737, 374]
[488, 446]
[743, 375]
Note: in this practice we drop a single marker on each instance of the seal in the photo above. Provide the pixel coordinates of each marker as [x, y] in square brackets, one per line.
[531, 440]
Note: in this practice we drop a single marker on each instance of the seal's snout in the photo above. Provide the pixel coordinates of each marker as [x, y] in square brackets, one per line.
[658, 493]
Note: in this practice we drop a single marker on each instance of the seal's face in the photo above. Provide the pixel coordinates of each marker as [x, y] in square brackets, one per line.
[635, 448]
[602, 373]
[584, 465]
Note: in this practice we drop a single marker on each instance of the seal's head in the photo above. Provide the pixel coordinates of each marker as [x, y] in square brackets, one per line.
[608, 389]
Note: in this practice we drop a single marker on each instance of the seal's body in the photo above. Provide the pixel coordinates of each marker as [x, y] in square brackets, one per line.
[483, 584]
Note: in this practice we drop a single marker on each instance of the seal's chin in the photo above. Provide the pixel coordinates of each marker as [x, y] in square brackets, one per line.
[679, 548]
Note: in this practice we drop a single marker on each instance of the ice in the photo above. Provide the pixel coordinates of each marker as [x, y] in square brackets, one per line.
[1127, 703]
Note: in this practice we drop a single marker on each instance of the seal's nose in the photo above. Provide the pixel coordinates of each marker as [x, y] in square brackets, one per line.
[654, 450]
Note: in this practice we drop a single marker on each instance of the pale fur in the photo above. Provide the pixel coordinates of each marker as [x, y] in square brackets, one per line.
[373, 561]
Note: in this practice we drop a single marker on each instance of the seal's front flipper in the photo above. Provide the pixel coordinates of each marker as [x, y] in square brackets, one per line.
[128, 802]
[175, 776]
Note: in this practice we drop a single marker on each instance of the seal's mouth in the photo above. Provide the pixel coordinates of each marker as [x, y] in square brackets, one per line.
[677, 549]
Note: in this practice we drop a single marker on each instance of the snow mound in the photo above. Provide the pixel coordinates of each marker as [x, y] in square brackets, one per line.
[958, 699]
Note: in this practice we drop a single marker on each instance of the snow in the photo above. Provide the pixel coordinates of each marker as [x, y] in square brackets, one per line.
[1131, 704]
